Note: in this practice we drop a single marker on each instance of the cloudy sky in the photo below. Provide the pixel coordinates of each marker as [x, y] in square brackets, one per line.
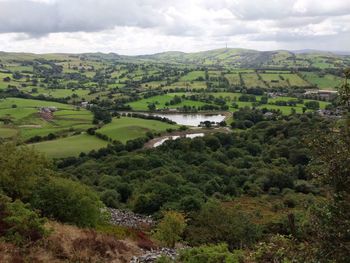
[149, 26]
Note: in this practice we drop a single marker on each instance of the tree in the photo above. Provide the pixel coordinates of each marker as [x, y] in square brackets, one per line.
[20, 169]
[170, 228]
[232, 226]
[19, 224]
[67, 201]
[152, 107]
[331, 224]
[313, 105]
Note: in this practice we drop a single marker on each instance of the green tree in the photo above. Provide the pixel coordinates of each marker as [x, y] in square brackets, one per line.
[20, 169]
[19, 224]
[170, 228]
[67, 201]
[231, 226]
[330, 221]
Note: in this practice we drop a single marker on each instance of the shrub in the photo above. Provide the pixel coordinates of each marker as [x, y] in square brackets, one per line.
[67, 201]
[208, 254]
[20, 169]
[170, 228]
[231, 225]
[110, 198]
[19, 224]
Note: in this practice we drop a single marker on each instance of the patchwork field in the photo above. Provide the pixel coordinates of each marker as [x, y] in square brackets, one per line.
[22, 117]
[251, 80]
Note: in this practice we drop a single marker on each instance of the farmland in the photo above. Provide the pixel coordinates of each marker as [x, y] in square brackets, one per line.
[213, 81]
[125, 128]
[70, 146]
[21, 117]
[326, 81]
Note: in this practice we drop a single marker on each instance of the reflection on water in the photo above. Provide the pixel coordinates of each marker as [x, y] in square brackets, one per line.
[191, 119]
[159, 143]
[191, 136]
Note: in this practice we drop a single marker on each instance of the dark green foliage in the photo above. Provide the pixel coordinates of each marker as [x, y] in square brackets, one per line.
[210, 254]
[110, 198]
[18, 223]
[313, 105]
[67, 201]
[20, 169]
[269, 155]
[231, 226]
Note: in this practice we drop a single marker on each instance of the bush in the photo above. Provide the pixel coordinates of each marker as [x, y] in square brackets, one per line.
[232, 226]
[20, 169]
[170, 228]
[67, 201]
[111, 198]
[208, 254]
[19, 224]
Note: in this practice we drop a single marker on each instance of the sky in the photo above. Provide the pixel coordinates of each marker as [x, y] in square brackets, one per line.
[133, 27]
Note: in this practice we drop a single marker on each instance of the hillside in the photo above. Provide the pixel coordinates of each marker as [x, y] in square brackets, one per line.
[236, 57]
[246, 58]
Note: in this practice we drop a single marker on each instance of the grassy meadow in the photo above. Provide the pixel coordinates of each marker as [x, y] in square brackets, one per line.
[125, 128]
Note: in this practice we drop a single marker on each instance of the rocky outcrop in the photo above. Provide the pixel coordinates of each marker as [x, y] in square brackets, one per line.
[153, 255]
[130, 219]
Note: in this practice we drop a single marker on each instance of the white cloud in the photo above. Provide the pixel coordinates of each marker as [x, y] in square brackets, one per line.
[146, 26]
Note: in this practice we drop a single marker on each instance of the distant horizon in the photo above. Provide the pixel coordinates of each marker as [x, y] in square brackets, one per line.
[140, 27]
[305, 50]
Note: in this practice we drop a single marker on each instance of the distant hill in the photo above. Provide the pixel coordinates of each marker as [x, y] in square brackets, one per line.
[247, 58]
[232, 57]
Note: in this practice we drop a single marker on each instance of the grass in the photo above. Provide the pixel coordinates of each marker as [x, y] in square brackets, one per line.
[28, 103]
[251, 80]
[28, 123]
[233, 79]
[188, 85]
[193, 75]
[125, 128]
[70, 146]
[7, 132]
[58, 93]
[295, 80]
[326, 81]
[159, 101]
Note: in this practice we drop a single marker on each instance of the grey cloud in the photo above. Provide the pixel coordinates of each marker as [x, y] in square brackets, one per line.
[39, 18]
[280, 9]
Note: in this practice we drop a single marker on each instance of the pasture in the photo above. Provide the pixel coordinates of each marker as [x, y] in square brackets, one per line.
[23, 117]
[70, 146]
[161, 100]
[125, 128]
[326, 81]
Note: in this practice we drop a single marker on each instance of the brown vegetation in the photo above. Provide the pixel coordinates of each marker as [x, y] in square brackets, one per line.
[71, 244]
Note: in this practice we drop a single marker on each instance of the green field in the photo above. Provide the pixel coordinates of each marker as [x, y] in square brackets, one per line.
[193, 75]
[251, 80]
[159, 101]
[327, 81]
[233, 79]
[70, 146]
[125, 128]
[26, 121]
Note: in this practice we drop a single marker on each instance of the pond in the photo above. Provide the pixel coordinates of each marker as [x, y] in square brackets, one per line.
[191, 136]
[191, 119]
